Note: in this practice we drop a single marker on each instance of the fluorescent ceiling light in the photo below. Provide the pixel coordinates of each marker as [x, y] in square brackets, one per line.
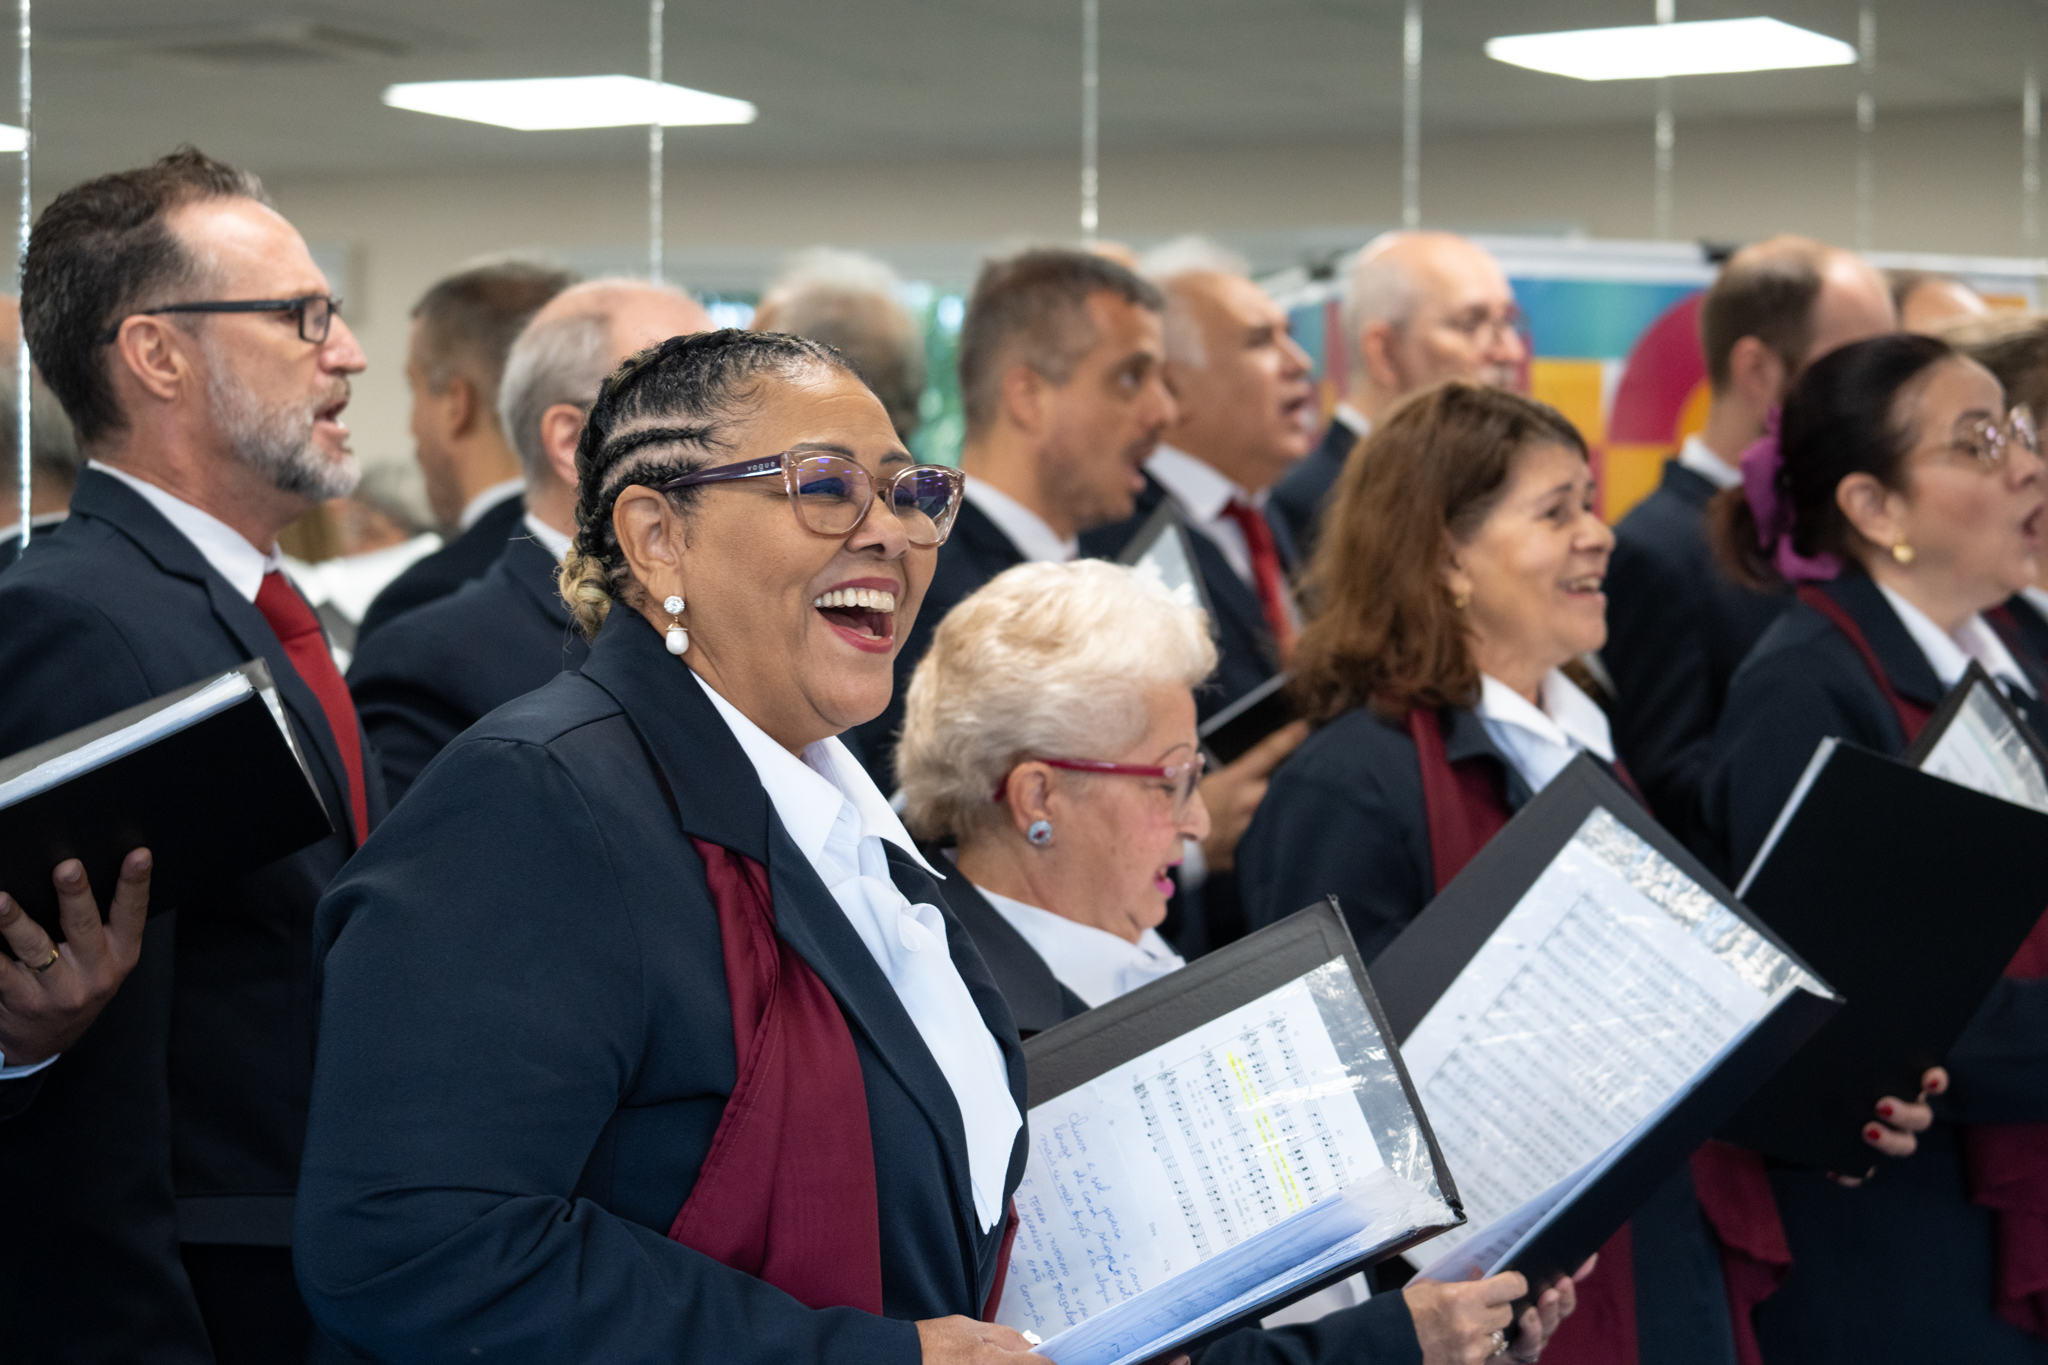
[1692, 49]
[12, 139]
[568, 102]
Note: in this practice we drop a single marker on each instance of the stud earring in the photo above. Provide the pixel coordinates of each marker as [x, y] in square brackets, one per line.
[678, 637]
[1461, 600]
[1040, 833]
[1902, 552]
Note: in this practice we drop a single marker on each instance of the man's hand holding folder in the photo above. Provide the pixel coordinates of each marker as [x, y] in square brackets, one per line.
[50, 995]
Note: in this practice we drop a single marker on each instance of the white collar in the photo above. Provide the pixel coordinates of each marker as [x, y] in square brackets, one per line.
[1540, 741]
[473, 510]
[1036, 541]
[551, 540]
[1700, 458]
[225, 548]
[1950, 655]
[1092, 963]
[807, 792]
[1201, 491]
[2037, 598]
[1352, 418]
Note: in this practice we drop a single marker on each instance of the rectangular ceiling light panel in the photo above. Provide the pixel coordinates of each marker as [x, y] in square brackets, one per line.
[569, 102]
[1701, 48]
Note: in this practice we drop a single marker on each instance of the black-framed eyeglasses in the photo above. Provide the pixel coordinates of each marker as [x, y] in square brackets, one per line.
[315, 312]
[832, 494]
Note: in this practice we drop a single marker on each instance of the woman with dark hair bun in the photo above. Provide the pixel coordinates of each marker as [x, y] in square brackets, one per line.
[1902, 499]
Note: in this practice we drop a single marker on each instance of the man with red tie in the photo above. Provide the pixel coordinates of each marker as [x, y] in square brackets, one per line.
[204, 364]
[1243, 402]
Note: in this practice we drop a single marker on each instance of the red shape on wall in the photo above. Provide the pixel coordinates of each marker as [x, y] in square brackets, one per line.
[1664, 368]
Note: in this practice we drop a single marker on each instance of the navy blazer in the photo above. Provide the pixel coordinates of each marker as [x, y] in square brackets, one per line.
[181, 1112]
[2033, 626]
[1344, 816]
[974, 552]
[431, 577]
[442, 667]
[1303, 493]
[1677, 629]
[1249, 654]
[526, 1049]
[1907, 1259]
[1036, 997]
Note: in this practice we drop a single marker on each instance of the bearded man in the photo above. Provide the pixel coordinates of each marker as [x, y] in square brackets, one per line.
[148, 1180]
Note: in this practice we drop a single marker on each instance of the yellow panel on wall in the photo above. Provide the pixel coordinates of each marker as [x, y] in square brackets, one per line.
[1574, 388]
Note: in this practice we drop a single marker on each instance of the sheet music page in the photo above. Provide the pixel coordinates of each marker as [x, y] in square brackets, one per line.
[1608, 988]
[1981, 749]
[1181, 1154]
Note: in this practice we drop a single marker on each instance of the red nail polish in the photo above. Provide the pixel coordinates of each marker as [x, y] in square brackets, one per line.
[1873, 1132]
[1884, 1111]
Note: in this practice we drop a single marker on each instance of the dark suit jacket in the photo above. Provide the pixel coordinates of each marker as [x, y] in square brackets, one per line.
[1036, 998]
[1299, 498]
[1677, 629]
[1928, 1288]
[439, 669]
[1249, 655]
[181, 1112]
[525, 1049]
[975, 552]
[2032, 624]
[10, 544]
[1344, 816]
[469, 556]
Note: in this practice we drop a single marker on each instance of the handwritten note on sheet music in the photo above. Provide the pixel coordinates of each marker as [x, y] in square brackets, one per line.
[1607, 989]
[1166, 1161]
[1983, 751]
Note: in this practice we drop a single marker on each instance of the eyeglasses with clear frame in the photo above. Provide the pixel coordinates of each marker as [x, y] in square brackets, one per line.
[1986, 441]
[315, 312]
[1182, 778]
[831, 494]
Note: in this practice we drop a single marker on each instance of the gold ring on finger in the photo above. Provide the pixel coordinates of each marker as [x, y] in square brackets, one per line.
[40, 967]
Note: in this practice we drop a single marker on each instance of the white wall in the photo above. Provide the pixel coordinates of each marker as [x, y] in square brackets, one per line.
[1946, 182]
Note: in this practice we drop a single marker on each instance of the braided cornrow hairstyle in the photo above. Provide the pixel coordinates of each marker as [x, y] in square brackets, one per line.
[668, 410]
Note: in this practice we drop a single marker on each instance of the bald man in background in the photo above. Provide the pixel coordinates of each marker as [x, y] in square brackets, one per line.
[455, 361]
[1419, 308]
[437, 670]
[1927, 302]
[1677, 626]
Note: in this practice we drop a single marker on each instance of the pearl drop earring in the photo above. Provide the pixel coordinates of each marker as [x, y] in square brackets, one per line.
[678, 637]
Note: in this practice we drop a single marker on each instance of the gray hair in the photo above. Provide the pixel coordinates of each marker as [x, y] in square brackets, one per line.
[1167, 265]
[1044, 661]
[555, 360]
[848, 301]
[1378, 288]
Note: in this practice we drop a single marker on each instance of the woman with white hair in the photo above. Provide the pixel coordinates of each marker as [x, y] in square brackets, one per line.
[1049, 744]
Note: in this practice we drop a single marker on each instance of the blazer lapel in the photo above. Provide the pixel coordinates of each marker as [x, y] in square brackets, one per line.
[718, 798]
[1231, 595]
[111, 501]
[1912, 677]
[1468, 739]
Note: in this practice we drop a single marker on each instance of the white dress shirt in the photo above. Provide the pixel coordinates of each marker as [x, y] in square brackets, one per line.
[551, 540]
[225, 548]
[1540, 741]
[1351, 418]
[1950, 655]
[232, 557]
[1200, 494]
[838, 819]
[1092, 963]
[473, 510]
[1696, 456]
[2037, 598]
[1036, 541]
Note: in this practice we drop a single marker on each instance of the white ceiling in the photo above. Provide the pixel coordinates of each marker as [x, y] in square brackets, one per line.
[291, 89]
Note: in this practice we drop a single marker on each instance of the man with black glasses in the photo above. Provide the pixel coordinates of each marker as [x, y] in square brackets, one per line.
[195, 346]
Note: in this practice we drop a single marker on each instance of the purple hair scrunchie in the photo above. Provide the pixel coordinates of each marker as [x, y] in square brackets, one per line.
[1760, 466]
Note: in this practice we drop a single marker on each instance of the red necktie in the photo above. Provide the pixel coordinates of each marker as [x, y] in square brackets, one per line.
[1267, 576]
[298, 630]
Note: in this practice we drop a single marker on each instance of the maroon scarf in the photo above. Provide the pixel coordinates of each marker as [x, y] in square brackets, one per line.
[2007, 1162]
[1465, 806]
[787, 1191]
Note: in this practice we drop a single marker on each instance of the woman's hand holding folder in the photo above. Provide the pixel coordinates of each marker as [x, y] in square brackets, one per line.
[1466, 1324]
[50, 995]
[1893, 1131]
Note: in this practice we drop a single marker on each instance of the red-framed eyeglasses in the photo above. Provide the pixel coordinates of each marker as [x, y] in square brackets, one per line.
[1184, 777]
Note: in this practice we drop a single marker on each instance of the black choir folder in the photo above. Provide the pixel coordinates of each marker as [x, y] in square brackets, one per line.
[1912, 891]
[1214, 1146]
[1581, 1008]
[208, 778]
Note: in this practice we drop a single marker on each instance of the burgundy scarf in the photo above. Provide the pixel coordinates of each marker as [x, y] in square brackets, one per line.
[2007, 1162]
[1465, 806]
